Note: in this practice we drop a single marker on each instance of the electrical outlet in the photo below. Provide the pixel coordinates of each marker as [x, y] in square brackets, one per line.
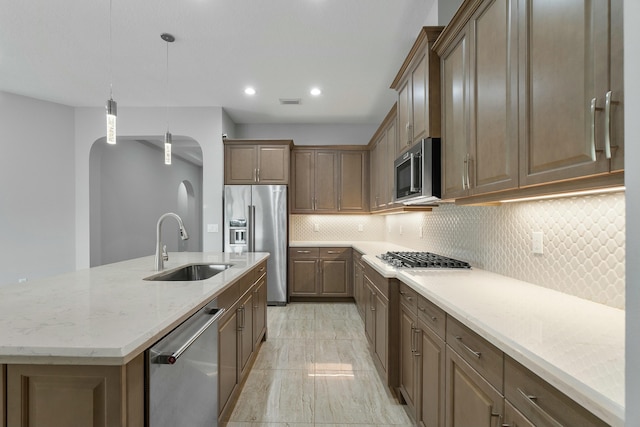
[537, 242]
[316, 227]
[401, 230]
[421, 231]
[360, 227]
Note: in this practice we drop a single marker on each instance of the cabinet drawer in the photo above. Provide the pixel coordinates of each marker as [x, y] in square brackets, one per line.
[380, 282]
[304, 252]
[408, 298]
[329, 253]
[259, 271]
[540, 402]
[432, 315]
[227, 298]
[478, 352]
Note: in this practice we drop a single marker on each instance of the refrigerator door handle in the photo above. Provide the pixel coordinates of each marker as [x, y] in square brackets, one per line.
[251, 216]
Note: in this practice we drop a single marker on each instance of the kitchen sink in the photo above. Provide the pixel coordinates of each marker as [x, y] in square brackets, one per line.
[190, 272]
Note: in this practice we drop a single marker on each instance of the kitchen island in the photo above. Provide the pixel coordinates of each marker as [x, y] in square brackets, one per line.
[573, 344]
[94, 325]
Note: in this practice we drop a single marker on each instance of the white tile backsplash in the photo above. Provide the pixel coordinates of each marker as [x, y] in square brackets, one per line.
[583, 240]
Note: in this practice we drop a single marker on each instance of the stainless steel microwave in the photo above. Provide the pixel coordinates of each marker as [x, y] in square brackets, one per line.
[417, 174]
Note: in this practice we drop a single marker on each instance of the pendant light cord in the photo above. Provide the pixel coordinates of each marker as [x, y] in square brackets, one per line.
[110, 55]
[167, 112]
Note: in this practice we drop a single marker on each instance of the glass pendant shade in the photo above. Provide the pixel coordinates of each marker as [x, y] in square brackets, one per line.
[112, 113]
[167, 148]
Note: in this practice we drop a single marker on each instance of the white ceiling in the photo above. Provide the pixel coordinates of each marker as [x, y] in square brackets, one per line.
[58, 50]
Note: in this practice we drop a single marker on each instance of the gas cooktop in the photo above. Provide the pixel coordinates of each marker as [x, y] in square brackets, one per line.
[421, 260]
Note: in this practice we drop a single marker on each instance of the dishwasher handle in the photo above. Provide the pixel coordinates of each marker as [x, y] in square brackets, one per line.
[171, 357]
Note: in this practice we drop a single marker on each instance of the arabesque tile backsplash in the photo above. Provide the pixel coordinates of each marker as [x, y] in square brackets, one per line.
[584, 240]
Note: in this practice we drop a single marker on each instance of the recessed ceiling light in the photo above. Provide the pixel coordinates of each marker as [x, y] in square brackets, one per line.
[250, 91]
[315, 91]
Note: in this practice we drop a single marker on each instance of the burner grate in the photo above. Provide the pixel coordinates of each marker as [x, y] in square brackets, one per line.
[422, 260]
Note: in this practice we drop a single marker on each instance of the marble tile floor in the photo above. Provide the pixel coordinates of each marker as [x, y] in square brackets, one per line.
[315, 369]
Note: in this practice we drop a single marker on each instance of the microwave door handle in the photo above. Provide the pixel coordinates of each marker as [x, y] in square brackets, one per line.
[412, 188]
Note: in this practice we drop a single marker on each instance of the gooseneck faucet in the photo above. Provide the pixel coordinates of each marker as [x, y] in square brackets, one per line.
[161, 251]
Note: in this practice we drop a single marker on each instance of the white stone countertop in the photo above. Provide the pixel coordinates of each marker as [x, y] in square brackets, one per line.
[106, 315]
[574, 344]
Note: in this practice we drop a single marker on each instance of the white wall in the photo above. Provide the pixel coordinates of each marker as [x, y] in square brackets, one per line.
[201, 124]
[446, 10]
[309, 134]
[36, 188]
[632, 181]
[131, 188]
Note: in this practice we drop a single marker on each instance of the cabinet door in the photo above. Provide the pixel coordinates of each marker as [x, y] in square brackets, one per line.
[71, 395]
[381, 328]
[369, 312]
[358, 287]
[353, 183]
[259, 310]
[326, 181]
[493, 99]
[374, 175]
[227, 359]
[455, 64]
[616, 83]
[404, 117]
[392, 137]
[513, 417]
[558, 137]
[245, 333]
[431, 409]
[408, 377]
[335, 277]
[303, 178]
[419, 99]
[3, 387]
[240, 164]
[273, 164]
[304, 273]
[470, 400]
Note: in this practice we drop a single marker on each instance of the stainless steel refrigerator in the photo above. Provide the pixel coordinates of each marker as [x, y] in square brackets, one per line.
[255, 220]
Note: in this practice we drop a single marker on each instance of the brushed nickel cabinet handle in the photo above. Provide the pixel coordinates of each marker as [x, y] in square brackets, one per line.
[300, 252]
[607, 125]
[468, 171]
[464, 173]
[333, 252]
[258, 174]
[469, 349]
[532, 401]
[417, 332]
[593, 110]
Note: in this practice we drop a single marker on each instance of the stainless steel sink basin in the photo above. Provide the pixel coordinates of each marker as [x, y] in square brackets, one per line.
[190, 272]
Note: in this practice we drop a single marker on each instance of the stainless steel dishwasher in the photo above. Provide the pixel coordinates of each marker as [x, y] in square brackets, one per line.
[182, 373]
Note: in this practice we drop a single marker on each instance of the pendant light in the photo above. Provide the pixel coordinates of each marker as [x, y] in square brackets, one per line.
[112, 106]
[167, 136]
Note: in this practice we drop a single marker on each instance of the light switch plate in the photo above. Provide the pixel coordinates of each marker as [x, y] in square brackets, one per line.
[537, 242]
[316, 227]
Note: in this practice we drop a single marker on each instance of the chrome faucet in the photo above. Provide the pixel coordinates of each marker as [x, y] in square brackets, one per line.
[161, 250]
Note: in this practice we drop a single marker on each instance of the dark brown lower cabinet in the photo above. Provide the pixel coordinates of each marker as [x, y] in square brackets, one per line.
[514, 418]
[540, 403]
[240, 332]
[75, 395]
[470, 400]
[228, 358]
[320, 272]
[430, 411]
